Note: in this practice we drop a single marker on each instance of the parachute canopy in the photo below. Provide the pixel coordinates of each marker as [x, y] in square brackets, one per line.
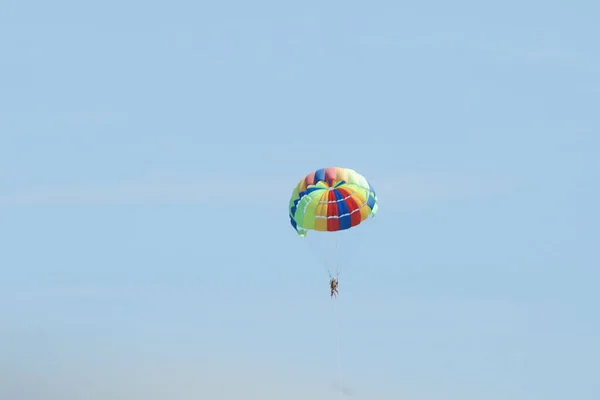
[331, 199]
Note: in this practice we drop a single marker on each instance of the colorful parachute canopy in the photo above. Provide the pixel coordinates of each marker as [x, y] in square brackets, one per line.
[331, 199]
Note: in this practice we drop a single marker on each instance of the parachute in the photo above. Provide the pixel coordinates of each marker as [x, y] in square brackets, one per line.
[330, 200]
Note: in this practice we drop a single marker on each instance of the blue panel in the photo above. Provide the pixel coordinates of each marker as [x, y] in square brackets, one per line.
[295, 207]
[345, 221]
[372, 190]
[371, 201]
[320, 175]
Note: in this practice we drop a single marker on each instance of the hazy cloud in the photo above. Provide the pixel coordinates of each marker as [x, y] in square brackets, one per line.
[133, 376]
[144, 191]
[170, 190]
[420, 188]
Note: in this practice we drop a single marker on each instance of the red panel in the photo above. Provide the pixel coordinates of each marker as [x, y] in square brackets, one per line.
[330, 175]
[353, 208]
[333, 224]
[310, 179]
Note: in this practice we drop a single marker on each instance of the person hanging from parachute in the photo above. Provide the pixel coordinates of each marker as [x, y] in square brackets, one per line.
[333, 284]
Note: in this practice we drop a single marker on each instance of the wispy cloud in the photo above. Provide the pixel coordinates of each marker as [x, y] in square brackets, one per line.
[132, 376]
[553, 56]
[134, 192]
[540, 56]
[83, 291]
[173, 190]
[145, 191]
[420, 188]
[84, 117]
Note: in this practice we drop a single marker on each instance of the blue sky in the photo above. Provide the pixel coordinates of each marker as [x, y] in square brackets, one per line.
[148, 151]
